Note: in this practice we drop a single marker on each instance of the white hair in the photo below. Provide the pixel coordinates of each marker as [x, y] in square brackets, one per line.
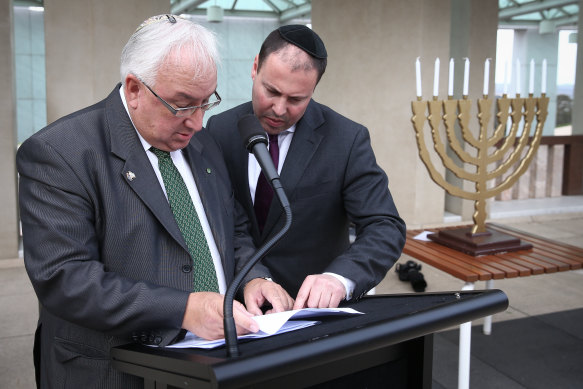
[158, 37]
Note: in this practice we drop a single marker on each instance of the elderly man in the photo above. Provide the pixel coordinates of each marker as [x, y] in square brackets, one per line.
[129, 224]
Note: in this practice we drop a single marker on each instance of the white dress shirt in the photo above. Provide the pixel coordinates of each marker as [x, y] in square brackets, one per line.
[283, 140]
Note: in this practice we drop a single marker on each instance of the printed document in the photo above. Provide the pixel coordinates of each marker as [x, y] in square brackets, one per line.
[270, 324]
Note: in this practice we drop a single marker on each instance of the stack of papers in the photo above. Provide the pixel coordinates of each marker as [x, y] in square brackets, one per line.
[270, 324]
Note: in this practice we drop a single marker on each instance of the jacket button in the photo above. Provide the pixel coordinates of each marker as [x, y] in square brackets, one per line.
[186, 268]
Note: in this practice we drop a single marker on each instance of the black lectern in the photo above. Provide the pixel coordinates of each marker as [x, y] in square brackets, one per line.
[391, 346]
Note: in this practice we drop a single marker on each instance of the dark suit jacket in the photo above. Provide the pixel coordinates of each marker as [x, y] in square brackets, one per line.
[101, 246]
[331, 178]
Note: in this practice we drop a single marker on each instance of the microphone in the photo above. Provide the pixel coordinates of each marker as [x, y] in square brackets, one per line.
[255, 142]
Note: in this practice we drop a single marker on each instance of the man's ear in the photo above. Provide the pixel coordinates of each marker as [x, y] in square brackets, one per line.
[132, 88]
[254, 68]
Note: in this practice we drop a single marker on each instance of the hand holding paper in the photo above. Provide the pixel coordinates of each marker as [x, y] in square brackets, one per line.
[270, 324]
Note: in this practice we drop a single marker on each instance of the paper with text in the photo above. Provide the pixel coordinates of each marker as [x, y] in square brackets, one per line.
[270, 324]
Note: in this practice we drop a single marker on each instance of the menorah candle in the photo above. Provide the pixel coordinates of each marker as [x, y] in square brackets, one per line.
[450, 84]
[486, 76]
[506, 77]
[436, 78]
[517, 76]
[466, 76]
[543, 87]
[418, 76]
[531, 79]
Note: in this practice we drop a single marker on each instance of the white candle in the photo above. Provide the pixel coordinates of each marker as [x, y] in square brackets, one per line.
[543, 88]
[517, 76]
[486, 76]
[531, 79]
[450, 85]
[436, 78]
[418, 76]
[466, 76]
[506, 76]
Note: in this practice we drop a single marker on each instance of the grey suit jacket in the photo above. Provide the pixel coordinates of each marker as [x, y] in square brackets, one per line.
[331, 178]
[101, 246]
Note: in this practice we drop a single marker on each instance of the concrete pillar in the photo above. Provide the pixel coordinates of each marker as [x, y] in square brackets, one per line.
[84, 40]
[578, 93]
[575, 151]
[372, 47]
[474, 26]
[9, 228]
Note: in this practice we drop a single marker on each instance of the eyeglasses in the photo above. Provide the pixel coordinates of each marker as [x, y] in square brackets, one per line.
[186, 111]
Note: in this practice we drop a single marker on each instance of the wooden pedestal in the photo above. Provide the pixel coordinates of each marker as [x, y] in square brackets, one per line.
[489, 242]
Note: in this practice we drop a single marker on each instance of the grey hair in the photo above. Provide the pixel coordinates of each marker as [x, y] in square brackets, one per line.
[158, 37]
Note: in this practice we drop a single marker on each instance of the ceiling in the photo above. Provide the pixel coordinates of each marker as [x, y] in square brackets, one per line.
[513, 13]
[284, 10]
[529, 13]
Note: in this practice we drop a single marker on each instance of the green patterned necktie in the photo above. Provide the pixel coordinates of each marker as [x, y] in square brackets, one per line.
[205, 277]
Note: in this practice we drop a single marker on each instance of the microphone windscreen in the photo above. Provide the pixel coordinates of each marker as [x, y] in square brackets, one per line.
[251, 131]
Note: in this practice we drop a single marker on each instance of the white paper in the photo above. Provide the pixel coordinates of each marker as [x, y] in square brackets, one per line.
[270, 324]
[193, 341]
[423, 236]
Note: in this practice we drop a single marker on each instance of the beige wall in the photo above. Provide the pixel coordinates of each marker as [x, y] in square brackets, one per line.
[8, 211]
[84, 39]
[372, 47]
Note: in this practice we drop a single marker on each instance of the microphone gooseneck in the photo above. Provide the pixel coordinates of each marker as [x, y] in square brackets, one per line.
[255, 142]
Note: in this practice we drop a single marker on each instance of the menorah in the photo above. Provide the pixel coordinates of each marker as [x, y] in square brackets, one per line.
[511, 150]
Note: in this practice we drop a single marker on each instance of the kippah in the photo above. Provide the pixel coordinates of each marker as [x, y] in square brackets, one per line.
[156, 19]
[304, 38]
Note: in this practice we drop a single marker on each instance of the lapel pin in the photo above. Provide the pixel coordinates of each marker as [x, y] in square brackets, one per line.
[130, 175]
[208, 170]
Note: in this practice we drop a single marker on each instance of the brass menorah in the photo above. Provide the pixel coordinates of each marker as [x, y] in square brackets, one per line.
[509, 150]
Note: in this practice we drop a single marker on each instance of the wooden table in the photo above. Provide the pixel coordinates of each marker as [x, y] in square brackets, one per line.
[546, 256]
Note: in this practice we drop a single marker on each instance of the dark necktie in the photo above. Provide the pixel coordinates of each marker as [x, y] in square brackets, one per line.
[263, 191]
[205, 277]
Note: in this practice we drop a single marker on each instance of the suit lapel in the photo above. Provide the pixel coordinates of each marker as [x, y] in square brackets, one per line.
[239, 170]
[137, 171]
[302, 148]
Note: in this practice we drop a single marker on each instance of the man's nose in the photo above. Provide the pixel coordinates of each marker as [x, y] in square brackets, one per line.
[279, 106]
[194, 121]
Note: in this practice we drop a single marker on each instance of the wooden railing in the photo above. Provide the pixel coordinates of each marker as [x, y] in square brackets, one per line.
[556, 170]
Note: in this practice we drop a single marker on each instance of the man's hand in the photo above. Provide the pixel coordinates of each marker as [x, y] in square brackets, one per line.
[259, 290]
[204, 316]
[320, 291]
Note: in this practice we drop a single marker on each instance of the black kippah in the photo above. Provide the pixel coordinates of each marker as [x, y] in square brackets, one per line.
[304, 38]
